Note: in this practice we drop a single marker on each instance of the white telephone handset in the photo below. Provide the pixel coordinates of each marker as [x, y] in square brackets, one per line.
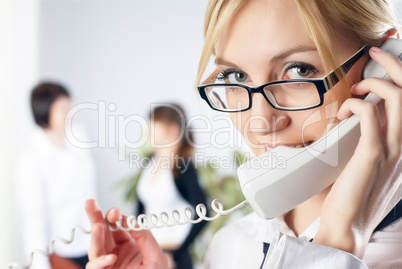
[274, 190]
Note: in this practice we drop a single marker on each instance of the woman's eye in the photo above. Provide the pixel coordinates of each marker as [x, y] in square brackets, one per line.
[299, 71]
[231, 76]
[302, 71]
[239, 76]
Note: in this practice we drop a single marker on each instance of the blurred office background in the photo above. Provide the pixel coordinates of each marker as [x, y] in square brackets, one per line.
[117, 57]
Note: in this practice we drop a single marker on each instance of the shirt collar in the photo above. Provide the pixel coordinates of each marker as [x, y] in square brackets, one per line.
[266, 229]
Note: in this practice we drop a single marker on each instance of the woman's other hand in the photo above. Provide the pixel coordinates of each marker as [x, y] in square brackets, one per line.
[359, 198]
[120, 249]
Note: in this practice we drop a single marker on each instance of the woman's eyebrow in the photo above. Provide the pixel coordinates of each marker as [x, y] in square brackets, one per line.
[278, 57]
[287, 53]
[221, 61]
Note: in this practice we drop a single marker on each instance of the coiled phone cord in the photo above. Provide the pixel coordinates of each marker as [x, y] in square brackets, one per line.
[144, 222]
[51, 247]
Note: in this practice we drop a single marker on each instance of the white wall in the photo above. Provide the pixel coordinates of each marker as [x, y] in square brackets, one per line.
[19, 47]
[398, 4]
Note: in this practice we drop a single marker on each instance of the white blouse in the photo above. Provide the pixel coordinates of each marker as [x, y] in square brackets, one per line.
[52, 184]
[158, 193]
[240, 245]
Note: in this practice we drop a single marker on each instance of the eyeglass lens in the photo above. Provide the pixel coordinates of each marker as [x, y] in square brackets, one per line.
[294, 95]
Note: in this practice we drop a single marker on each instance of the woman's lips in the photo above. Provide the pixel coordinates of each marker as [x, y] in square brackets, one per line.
[299, 145]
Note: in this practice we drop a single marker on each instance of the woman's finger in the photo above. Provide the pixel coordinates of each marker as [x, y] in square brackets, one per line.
[96, 217]
[393, 106]
[113, 215]
[142, 240]
[391, 64]
[370, 126]
[102, 262]
[152, 253]
[120, 237]
[93, 211]
[97, 244]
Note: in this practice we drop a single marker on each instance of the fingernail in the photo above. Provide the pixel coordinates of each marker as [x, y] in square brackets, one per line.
[109, 257]
[377, 50]
[354, 86]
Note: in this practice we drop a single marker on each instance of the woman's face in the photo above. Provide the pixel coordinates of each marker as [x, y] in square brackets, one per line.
[266, 41]
[58, 112]
[164, 134]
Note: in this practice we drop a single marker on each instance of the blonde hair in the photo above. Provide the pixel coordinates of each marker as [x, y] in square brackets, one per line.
[367, 20]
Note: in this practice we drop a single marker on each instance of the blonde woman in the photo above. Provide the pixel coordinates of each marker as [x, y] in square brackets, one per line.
[257, 42]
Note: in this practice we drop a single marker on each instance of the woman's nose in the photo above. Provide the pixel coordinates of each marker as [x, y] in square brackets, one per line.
[264, 118]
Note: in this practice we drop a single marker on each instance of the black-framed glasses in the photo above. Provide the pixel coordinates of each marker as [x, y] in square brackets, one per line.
[291, 95]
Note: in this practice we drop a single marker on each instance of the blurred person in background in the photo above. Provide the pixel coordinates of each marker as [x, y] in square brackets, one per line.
[169, 182]
[53, 179]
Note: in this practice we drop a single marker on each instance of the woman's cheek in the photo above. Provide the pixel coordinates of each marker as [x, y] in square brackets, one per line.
[241, 122]
[238, 121]
[319, 122]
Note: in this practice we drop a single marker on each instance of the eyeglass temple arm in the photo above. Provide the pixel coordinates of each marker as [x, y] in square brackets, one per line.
[211, 78]
[345, 67]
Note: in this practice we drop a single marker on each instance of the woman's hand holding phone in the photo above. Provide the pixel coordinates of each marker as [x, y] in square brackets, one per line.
[358, 199]
[120, 249]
